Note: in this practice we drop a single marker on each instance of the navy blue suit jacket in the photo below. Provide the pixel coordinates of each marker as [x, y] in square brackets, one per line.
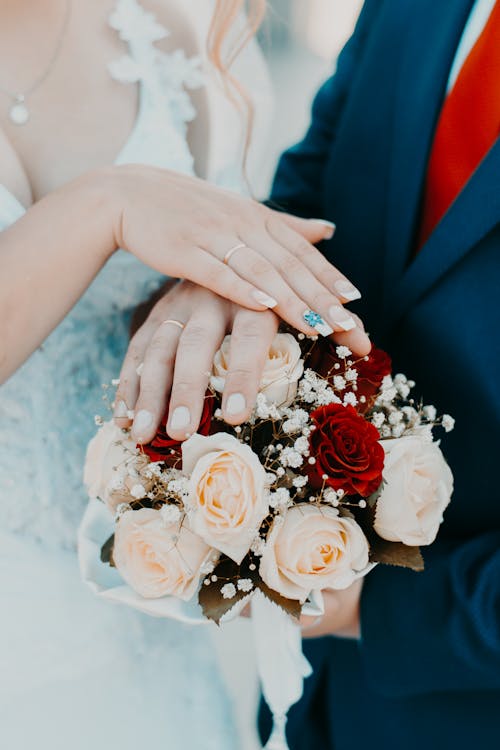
[426, 674]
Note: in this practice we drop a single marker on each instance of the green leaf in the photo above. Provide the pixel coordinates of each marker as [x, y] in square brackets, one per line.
[395, 553]
[291, 606]
[107, 551]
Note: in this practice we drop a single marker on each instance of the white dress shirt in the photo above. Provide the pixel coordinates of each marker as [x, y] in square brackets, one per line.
[478, 19]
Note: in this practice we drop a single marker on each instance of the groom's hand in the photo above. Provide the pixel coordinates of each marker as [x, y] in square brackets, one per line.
[341, 616]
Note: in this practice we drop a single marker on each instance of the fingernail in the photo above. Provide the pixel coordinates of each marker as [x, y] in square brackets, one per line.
[347, 290]
[341, 318]
[315, 320]
[143, 419]
[264, 299]
[180, 418]
[235, 403]
[121, 410]
[330, 228]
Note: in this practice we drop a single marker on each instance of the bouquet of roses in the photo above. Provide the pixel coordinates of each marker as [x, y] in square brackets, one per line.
[336, 470]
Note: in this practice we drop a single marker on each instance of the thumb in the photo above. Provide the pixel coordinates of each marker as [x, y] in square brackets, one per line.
[313, 230]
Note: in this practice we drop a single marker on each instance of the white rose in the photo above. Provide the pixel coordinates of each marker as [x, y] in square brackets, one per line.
[106, 465]
[158, 558]
[313, 549]
[419, 484]
[282, 369]
[227, 499]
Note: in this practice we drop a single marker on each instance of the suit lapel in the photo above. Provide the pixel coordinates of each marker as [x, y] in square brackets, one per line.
[429, 49]
[471, 217]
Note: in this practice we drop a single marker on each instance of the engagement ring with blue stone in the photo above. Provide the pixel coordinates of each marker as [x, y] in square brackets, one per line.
[315, 320]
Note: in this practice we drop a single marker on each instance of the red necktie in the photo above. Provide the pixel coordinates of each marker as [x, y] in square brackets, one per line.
[468, 126]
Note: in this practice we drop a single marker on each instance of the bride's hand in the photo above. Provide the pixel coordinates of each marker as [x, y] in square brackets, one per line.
[175, 348]
[238, 248]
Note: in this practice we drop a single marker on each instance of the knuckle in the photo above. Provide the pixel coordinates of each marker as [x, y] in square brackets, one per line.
[323, 300]
[182, 388]
[194, 336]
[259, 267]
[292, 266]
[301, 247]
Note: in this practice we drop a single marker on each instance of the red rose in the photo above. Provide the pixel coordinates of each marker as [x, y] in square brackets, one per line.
[347, 449]
[371, 371]
[162, 445]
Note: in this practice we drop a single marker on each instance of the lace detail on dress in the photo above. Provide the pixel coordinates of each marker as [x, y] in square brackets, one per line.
[47, 407]
[175, 72]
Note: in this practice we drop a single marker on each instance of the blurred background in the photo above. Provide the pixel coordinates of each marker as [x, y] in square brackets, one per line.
[301, 40]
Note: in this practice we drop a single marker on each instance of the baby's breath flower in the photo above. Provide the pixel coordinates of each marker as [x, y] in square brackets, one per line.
[170, 514]
[448, 422]
[228, 591]
[378, 419]
[291, 457]
[245, 585]
[258, 546]
[138, 491]
[339, 382]
[343, 352]
[350, 399]
[430, 412]
[299, 481]
[351, 374]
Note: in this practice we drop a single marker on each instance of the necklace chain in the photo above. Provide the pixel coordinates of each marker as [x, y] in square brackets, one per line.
[19, 113]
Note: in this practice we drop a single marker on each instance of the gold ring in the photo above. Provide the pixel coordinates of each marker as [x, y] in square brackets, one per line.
[175, 323]
[231, 252]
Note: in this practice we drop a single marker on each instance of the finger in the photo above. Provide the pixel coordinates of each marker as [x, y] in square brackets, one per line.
[357, 340]
[314, 260]
[303, 282]
[208, 271]
[314, 230]
[128, 388]
[156, 379]
[249, 263]
[198, 343]
[251, 338]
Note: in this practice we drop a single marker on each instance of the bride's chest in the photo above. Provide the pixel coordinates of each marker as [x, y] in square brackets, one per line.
[80, 116]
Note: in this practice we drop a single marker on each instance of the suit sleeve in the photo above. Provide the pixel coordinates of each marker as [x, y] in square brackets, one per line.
[299, 179]
[438, 630]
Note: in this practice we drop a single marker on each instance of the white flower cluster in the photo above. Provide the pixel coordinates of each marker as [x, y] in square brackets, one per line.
[316, 391]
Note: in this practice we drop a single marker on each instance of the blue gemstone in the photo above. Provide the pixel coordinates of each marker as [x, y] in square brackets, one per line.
[313, 318]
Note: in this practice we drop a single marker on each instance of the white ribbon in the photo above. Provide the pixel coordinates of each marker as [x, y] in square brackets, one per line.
[281, 664]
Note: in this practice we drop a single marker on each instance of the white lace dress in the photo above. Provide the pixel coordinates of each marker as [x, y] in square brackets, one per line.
[77, 673]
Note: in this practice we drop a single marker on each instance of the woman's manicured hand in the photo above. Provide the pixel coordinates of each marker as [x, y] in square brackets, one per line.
[234, 246]
[174, 349]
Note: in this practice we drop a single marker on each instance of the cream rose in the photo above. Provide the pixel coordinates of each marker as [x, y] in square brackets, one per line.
[106, 466]
[156, 558]
[312, 549]
[282, 369]
[227, 499]
[418, 488]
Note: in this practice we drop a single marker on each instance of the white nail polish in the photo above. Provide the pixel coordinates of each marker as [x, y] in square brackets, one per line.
[264, 299]
[143, 419]
[347, 290]
[121, 410]
[330, 227]
[341, 318]
[235, 404]
[324, 329]
[180, 418]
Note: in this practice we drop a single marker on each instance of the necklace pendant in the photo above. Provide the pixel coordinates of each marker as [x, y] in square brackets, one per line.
[19, 113]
